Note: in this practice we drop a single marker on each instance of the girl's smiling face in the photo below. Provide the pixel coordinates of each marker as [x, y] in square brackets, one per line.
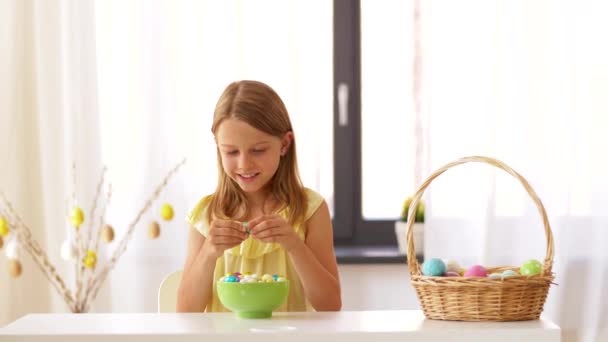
[249, 156]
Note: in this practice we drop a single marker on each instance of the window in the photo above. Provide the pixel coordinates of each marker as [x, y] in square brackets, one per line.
[374, 147]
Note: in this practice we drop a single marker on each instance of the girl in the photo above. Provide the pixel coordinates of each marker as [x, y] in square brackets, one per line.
[260, 219]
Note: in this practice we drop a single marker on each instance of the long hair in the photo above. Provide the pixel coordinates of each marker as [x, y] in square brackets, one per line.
[258, 105]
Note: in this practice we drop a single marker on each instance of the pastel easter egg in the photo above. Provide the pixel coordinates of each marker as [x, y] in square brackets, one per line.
[76, 217]
[476, 271]
[495, 276]
[4, 230]
[14, 268]
[107, 233]
[166, 212]
[452, 274]
[451, 265]
[231, 279]
[531, 267]
[153, 230]
[508, 273]
[433, 267]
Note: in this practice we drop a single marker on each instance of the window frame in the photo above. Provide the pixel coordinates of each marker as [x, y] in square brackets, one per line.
[350, 228]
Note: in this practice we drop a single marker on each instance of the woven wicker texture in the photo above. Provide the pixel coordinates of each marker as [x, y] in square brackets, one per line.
[515, 298]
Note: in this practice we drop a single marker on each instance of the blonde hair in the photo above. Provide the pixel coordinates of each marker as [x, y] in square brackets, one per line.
[258, 105]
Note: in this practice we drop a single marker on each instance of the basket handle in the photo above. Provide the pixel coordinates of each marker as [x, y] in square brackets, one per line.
[414, 267]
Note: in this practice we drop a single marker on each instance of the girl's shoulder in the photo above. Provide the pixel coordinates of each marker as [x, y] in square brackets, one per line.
[199, 211]
[313, 202]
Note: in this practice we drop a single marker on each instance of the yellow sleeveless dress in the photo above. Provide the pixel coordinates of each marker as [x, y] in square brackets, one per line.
[258, 257]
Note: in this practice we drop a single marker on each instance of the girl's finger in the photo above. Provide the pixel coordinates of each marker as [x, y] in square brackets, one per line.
[228, 232]
[275, 231]
[266, 225]
[251, 224]
[227, 224]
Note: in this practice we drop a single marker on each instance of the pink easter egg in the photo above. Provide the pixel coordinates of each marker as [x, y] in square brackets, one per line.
[476, 271]
[452, 274]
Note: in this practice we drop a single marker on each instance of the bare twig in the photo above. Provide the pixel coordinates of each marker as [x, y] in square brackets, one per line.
[127, 237]
[24, 236]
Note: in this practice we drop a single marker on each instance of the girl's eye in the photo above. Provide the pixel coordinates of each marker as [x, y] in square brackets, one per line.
[259, 151]
[232, 152]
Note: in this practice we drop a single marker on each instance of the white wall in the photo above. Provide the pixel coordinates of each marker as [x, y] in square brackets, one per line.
[377, 287]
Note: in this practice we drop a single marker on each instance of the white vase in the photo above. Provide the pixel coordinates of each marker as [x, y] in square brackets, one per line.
[401, 233]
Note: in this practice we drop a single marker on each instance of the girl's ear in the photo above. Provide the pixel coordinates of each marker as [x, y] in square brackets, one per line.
[286, 142]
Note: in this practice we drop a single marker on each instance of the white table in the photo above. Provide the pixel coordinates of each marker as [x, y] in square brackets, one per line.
[352, 326]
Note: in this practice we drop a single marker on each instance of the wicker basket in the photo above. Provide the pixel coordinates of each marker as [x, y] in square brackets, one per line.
[515, 298]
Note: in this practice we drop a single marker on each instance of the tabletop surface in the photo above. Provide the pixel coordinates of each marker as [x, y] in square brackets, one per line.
[298, 326]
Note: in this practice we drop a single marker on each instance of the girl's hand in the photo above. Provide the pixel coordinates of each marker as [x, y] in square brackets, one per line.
[273, 228]
[223, 235]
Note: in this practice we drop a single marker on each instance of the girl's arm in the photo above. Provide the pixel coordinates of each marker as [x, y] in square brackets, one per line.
[315, 261]
[196, 286]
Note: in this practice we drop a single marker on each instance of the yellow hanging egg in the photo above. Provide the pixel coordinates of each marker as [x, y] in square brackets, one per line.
[3, 227]
[166, 212]
[107, 233]
[14, 268]
[154, 230]
[76, 217]
[90, 260]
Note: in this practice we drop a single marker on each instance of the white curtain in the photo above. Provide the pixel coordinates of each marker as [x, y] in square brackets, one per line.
[524, 82]
[132, 85]
[48, 120]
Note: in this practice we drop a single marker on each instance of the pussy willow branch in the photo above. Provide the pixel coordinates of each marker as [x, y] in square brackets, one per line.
[127, 237]
[24, 236]
[95, 247]
[85, 245]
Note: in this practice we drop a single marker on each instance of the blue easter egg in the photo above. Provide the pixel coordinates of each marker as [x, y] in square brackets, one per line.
[231, 279]
[433, 267]
[509, 273]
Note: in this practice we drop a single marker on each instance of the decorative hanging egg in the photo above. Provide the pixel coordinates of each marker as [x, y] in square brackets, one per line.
[1, 242]
[90, 260]
[68, 250]
[166, 212]
[4, 230]
[11, 250]
[76, 217]
[154, 230]
[107, 233]
[14, 268]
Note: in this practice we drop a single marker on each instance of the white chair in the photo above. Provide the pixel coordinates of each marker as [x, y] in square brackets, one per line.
[167, 292]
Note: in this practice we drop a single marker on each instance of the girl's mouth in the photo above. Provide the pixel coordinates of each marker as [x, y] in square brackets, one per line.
[248, 177]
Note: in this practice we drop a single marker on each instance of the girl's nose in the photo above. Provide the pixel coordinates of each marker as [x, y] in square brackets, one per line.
[244, 161]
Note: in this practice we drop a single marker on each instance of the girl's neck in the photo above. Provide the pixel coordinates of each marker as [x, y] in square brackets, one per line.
[261, 202]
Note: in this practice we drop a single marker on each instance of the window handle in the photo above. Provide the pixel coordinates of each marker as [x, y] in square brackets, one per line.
[343, 104]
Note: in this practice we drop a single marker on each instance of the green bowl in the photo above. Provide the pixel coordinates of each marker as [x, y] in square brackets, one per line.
[253, 300]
